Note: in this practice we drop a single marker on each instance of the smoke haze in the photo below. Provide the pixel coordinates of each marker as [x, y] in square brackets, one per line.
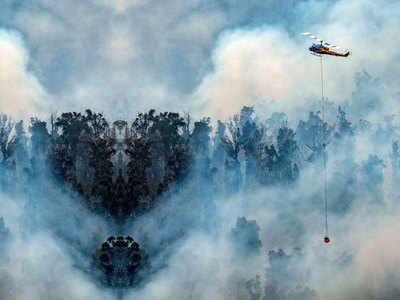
[210, 58]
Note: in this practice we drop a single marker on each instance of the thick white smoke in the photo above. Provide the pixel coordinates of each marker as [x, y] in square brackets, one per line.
[21, 93]
[252, 65]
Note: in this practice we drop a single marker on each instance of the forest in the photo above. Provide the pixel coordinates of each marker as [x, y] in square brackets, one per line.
[154, 181]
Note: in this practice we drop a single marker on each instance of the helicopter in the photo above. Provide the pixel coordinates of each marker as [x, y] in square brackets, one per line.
[325, 48]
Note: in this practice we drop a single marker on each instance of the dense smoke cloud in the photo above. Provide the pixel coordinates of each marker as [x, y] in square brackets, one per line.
[112, 53]
[44, 257]
[255, 65]
[126, 52]
[266, 63]
[21, 92]
[210, 58]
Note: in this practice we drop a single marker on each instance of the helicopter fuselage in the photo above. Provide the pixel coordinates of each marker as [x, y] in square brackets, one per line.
[321, 49]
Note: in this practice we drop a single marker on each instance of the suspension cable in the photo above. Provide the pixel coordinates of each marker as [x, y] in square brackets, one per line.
[324, 151]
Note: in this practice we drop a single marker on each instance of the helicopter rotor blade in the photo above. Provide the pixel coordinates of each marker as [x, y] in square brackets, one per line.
[311, 36]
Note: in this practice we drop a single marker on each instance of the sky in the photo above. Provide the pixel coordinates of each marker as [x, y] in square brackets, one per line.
[207, 57]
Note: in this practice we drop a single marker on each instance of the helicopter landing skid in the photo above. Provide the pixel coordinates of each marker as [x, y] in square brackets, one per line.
[315, 54]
